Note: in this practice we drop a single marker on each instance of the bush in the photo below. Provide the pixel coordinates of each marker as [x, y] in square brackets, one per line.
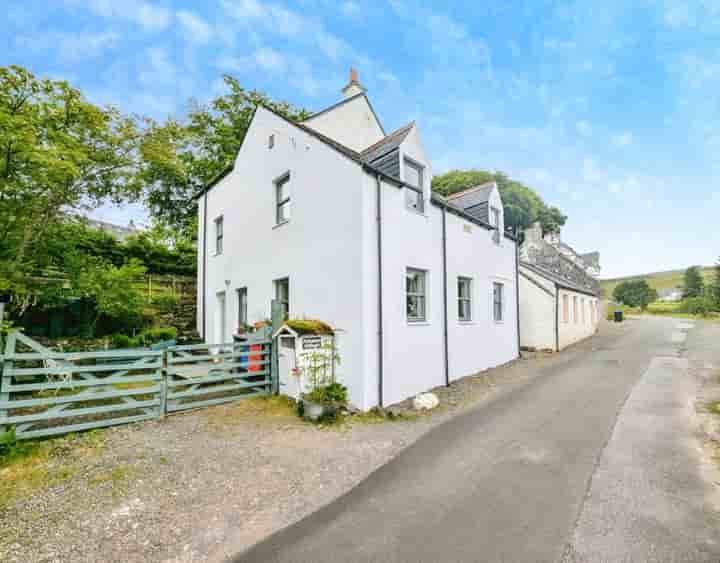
[121, 341]
[334, 393]
[696, 306]
[145, 338]
[166, 303]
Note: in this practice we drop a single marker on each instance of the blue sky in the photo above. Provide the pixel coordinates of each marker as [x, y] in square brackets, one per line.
[610, 110]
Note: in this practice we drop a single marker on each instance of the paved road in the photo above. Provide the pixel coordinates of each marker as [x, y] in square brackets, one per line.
[509, 480]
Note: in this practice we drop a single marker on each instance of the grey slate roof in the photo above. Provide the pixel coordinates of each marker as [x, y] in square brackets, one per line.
[557, 280]
[471, 197]
[387, 144]
[474, 201]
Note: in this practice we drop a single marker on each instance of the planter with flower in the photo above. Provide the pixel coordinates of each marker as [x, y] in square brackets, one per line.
[308, 369]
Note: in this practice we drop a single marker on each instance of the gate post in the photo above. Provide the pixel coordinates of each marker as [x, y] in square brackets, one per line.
[276, 311]
[163, 384]
[5, 378]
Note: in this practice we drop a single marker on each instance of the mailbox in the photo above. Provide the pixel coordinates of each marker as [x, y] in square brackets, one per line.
[304, 347]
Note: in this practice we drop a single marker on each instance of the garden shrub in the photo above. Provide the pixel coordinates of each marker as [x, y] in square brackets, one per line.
[166, 302]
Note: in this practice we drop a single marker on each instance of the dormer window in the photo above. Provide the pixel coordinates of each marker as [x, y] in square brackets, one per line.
[414, 186]
[495, 221]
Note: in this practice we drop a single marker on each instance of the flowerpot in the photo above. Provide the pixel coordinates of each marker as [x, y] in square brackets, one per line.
[314, 411]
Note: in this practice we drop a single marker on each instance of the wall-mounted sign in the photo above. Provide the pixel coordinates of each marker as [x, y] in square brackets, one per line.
[312, 343]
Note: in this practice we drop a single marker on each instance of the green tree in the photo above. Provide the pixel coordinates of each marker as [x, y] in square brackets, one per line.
[693, 284]
[716, 287]
[522, 205]
[181, 157]
[58, 153]
[635, 293]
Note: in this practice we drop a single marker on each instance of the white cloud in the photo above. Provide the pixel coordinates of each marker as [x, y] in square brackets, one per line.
[583, 128]
[72, 47]
[278, 20]
[265, 58]
[160, 69]
[194, 27]
[149, 16]
[623, 139]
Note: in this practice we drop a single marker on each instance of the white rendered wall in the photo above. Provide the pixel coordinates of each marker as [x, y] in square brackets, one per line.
[573, 330]
[414, 352]
[537, 313]
[352, 124]
[318, 249]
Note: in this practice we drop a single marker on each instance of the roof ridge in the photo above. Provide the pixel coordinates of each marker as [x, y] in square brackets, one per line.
[471, 189]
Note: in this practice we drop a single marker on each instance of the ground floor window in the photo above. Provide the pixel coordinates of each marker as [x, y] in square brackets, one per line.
[566, 309]
[282, 295]
[415, 295]
[498, 298]
[464, 299]
[575, 309]
[242, 308]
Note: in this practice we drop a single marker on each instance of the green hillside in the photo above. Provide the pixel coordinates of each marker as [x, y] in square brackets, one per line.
[658, 280]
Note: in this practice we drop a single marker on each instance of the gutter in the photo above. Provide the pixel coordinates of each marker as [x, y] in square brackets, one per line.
[380, 290]
[445, 299]
[557, 318]
[204, 274]
[517, 294]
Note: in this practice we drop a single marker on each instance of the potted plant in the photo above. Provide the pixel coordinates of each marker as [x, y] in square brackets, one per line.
[324, 402]
[325, 396]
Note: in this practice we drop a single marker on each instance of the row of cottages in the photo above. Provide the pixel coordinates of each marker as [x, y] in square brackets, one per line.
[559, 291]
[335, 218]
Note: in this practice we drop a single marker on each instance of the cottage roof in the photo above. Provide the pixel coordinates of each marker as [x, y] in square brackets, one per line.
[387, 144]
[473, 196]
[557, 280]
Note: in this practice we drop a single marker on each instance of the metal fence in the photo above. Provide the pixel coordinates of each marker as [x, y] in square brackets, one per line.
[44, 392]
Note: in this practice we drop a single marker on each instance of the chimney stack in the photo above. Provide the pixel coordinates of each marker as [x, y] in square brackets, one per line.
[353, 87]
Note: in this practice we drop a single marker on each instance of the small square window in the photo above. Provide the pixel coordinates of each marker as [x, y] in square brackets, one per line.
[495, 218]
[415, 295]
[219, 235]
[464, 299]
[414, 189]
[282, 200]
[242, 309]
[498, 304]
[282, 295]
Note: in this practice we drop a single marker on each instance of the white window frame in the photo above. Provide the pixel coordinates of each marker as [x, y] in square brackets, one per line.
[468, 299]
[277, 284]
[566, 308]
[495, 218]
[219, 223]
[280, 203]
[421, 295]
[242, 309]
[414, 191]
[501, 285]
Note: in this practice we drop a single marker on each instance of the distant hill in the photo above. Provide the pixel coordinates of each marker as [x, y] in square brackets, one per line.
[658, 280]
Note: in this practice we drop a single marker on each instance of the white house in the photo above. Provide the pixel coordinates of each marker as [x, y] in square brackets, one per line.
[335, 218]
[559, 302]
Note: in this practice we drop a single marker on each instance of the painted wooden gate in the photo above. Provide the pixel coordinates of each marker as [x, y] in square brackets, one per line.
[44, 392]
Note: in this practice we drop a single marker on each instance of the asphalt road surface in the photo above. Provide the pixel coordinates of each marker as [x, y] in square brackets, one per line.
[594, 460]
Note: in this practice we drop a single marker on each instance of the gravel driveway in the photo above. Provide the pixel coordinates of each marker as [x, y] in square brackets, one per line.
[202, 486]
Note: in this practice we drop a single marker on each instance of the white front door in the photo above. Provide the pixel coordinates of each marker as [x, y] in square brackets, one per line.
[220, 327]
[288, 383]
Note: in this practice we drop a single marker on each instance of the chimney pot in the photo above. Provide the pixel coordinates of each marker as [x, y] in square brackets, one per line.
[353, 75]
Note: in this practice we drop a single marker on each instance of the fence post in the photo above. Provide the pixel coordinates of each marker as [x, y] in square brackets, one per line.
[276, 312]
[164, 383]
[5, 379]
